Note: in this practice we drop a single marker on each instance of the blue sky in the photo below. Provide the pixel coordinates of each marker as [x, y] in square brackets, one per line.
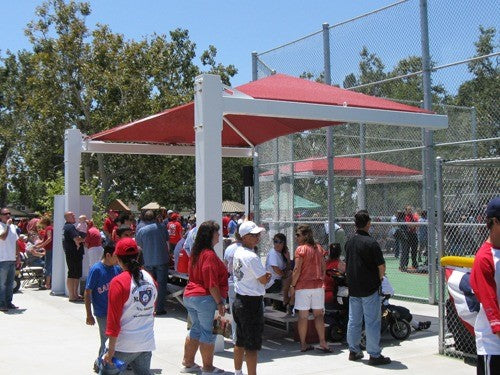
[236, 28]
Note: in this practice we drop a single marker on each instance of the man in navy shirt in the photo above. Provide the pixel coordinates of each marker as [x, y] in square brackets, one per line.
[96, 293]
[73, 250]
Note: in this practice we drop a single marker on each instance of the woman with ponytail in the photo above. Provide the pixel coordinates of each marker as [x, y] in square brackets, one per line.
[205, 293]
[131, 299]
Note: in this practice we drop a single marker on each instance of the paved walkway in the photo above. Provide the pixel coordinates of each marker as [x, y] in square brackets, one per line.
[48, 335]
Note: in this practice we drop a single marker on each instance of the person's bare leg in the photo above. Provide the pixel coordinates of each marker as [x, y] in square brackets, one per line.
[190, 349]
[238, 357]
[47, 282]
[207, 356]
[251, 359]
[72, 285]
[69, 286]
[285, 287]
[319, 323]
[302, 328]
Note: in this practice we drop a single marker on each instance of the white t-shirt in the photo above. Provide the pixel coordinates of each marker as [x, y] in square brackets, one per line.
[247, 268]
[274, 258]
[228, 258]
[8, 246]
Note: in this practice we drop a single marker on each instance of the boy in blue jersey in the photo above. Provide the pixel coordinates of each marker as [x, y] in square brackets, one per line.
[96, 293]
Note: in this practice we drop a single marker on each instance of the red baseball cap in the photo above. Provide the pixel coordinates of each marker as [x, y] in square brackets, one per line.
[126, 246]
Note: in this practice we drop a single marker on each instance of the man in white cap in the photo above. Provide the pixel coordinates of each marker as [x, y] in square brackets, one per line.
[250, 278]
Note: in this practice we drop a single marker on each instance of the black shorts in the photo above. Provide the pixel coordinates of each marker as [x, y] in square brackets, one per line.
[488, 364]
[248, 313]
[74, 263]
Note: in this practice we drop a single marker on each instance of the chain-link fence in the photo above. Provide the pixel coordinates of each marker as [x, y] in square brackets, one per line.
[382, 168]
[464, 189]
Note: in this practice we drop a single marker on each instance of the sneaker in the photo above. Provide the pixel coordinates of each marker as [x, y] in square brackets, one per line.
[3, 308]
[161, 312]
[11, 306]
[353, 356]
[194, 369]
[423, 325]
[96, 367]
[377, 361]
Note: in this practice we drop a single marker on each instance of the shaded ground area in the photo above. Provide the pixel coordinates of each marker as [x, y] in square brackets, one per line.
[49, 335]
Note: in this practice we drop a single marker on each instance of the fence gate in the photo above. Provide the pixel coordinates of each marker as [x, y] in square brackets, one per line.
[464, 188]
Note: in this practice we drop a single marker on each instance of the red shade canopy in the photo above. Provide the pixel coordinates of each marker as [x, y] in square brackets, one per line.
[346, 167]
[176, 126]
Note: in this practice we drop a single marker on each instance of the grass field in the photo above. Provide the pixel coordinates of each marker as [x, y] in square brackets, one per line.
[415, 285]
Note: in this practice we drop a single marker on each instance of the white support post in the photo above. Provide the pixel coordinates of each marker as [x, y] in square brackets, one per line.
[208, 138]
[71, 202]
[72, 162]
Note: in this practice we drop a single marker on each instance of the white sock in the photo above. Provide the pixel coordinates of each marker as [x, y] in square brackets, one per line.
[238, 372]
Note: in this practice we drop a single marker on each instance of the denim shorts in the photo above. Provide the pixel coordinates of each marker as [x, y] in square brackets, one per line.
[201, 310]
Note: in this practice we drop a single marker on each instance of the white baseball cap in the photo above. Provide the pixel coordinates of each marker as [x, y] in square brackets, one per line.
[249, 227]
[170, 212]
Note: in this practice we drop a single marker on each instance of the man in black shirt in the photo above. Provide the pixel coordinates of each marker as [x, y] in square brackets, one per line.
[365, 268]
[74, 255]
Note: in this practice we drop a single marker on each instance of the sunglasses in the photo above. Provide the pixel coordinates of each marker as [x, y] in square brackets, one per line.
[5, 213]
[255, 234]
[277, 241]
[298, 235]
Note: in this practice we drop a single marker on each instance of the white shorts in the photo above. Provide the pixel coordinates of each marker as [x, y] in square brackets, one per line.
[306, 299]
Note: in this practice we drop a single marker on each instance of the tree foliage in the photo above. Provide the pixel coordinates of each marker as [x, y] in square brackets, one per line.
[95, 79]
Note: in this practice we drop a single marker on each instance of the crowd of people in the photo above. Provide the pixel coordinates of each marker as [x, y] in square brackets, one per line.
[128, 263]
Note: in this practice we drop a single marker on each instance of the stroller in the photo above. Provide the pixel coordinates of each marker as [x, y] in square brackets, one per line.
[337, 312]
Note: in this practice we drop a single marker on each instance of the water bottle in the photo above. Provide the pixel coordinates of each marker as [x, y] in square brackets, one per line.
[119, 364]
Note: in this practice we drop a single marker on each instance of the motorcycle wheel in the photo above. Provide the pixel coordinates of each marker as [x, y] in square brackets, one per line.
[400, 329]
[337, 333]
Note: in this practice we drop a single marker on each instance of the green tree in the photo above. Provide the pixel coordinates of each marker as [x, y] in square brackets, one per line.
[95, 79]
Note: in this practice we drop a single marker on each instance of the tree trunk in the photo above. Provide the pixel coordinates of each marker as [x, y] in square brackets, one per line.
[106, 183]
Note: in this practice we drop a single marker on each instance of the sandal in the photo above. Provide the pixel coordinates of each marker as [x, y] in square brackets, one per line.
[192, 369]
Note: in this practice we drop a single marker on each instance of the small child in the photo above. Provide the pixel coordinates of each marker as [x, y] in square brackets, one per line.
[81, 226]
[96, 293]
[387, 289]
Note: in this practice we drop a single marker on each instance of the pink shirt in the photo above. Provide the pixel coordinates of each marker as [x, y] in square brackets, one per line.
[311, 272]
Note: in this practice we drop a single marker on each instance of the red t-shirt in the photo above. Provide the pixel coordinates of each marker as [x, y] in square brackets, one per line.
[208, 272]
[225, 225]
[109, 225]
[22, 245]
[174, 231]
[411, 218]
[48, 229]
[93, 238]
[311, 272]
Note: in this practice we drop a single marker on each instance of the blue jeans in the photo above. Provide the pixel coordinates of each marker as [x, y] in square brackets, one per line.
[48, 263]
[101, 323]
[160, 274]
[368, 308]
[140, 363]
[232, 295]
[201, 311]
[7, 274]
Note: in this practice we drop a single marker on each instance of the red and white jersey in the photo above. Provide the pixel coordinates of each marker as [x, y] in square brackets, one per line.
[131, 312]
[485, 281]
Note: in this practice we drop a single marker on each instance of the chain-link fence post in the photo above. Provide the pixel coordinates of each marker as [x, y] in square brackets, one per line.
[256, 187]
[429, 152]
[440, 242]
[362, 180]
[330, 140]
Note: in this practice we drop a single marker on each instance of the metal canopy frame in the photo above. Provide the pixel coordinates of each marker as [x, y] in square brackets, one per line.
[212, 102]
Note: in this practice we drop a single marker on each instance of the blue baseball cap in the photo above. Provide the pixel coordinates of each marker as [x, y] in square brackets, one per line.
[493, 208]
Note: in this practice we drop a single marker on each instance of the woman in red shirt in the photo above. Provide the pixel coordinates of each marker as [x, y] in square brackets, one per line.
[46, 224]
[307, 286]
[204, 294]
